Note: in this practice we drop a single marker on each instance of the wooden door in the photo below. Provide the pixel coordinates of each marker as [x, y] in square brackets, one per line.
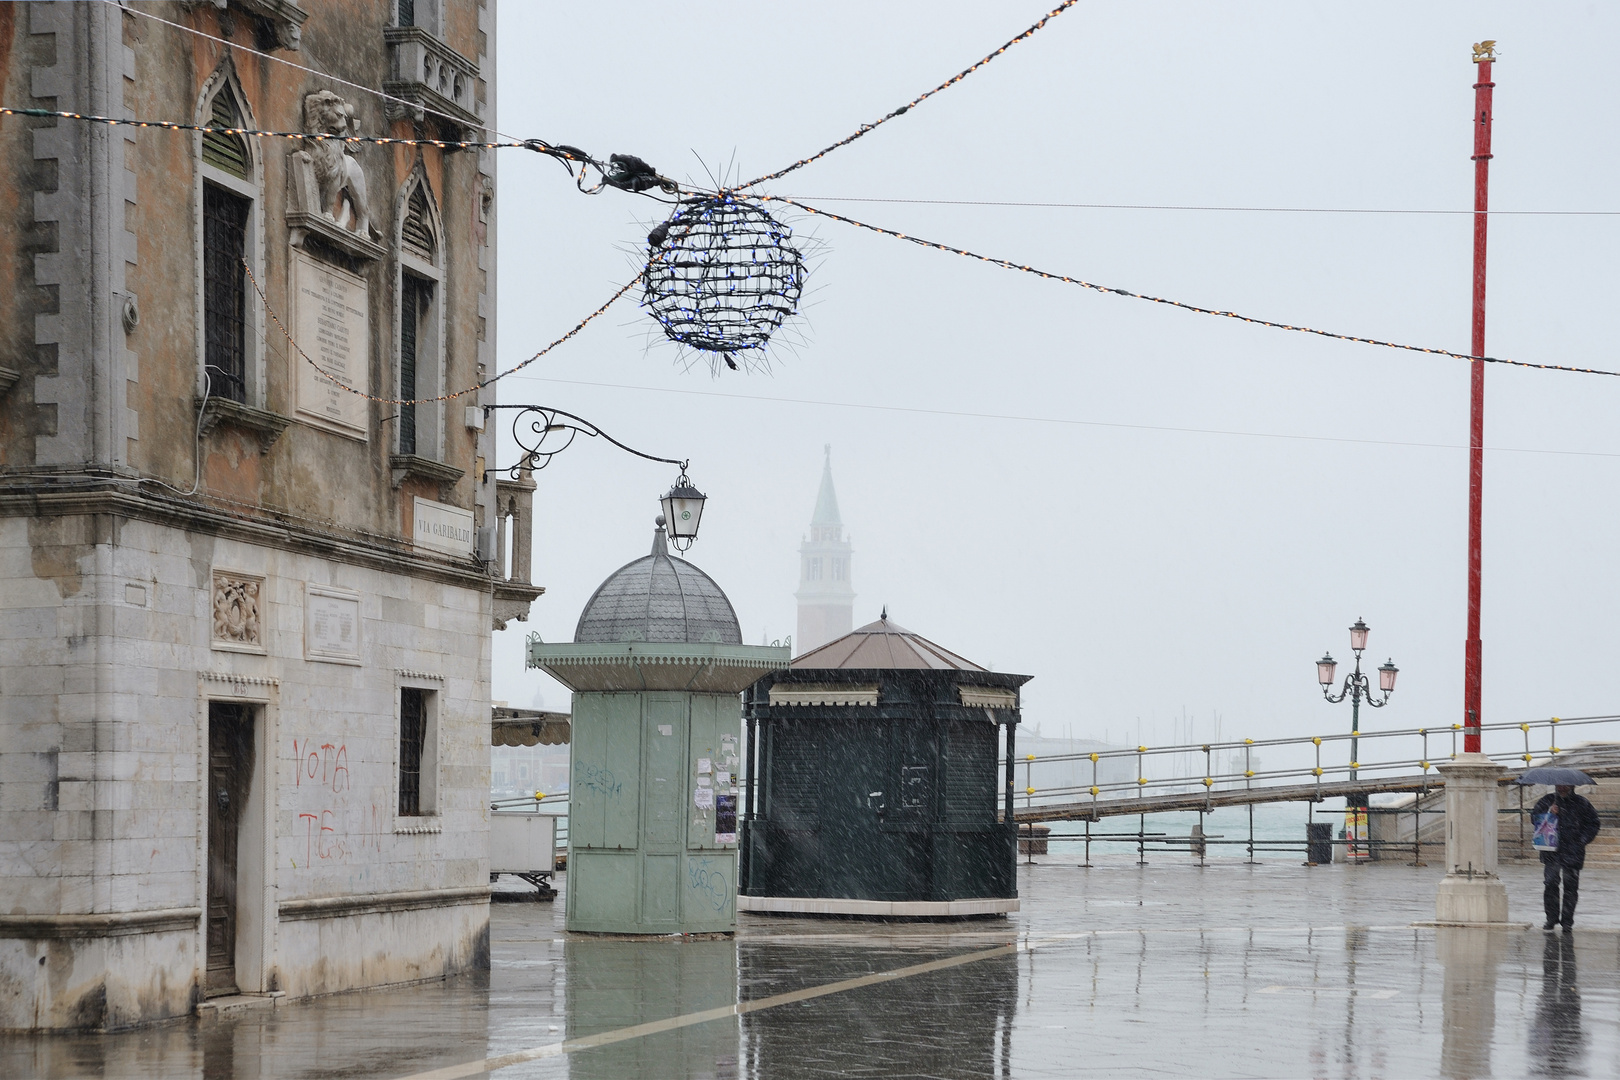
[230, 768]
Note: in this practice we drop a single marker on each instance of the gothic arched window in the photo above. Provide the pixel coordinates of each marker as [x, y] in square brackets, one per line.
[229, 198]
[420, 323]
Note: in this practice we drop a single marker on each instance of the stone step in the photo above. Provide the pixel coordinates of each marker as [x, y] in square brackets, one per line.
[219, 1006]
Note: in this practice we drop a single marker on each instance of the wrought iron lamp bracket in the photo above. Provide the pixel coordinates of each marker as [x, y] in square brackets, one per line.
[543, 432]
[1358, 688]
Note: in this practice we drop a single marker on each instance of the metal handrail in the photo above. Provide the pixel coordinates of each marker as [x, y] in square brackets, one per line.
[1226, 778]
[529, 801]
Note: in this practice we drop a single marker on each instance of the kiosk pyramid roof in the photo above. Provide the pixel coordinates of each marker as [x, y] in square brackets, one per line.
[883, 645]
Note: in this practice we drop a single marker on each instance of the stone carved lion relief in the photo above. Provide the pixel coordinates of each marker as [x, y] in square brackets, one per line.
[335, 186]
[236, 611]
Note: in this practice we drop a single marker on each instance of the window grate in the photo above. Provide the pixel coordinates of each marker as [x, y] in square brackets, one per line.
[411, 295]
[225, 219]
[412, 736]
[796, 763]
[970, 771]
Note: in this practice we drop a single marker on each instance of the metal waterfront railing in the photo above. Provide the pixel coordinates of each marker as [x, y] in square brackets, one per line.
[1402, 755]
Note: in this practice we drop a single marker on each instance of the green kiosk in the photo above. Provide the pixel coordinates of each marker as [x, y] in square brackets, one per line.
[656, 667]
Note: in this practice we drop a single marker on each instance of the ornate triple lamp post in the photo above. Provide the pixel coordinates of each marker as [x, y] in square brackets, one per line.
[1357, 687]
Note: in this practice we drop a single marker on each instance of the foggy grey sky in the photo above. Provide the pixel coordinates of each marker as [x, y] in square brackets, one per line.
[1134, 573]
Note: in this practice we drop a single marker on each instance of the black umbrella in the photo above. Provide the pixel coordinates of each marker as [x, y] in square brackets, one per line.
[1554, 776]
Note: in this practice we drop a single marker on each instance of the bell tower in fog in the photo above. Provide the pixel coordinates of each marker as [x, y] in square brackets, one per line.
[826, 596]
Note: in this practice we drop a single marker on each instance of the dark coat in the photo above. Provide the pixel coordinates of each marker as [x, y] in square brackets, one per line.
[1577, 827]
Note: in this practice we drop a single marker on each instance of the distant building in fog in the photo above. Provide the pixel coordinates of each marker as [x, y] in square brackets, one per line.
[826, 596]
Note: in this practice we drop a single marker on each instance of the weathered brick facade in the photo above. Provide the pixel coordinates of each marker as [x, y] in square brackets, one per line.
[244, 616]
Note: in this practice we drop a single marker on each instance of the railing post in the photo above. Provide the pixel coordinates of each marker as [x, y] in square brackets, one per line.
[1248, 785]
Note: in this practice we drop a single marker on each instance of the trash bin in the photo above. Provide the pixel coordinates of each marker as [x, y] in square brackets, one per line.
[1319, 843]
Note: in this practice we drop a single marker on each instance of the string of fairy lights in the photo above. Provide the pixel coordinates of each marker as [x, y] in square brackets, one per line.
[1007, 264]
[620, 170]
[866, 129]
[337, 380]
[708, 292]
[308, 136]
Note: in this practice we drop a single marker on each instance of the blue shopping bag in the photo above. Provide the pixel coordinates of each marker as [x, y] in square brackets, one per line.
[1545, 837]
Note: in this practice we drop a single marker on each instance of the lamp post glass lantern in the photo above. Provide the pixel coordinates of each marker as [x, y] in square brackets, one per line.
[683, 509]
[1358, 688]
[1325, 668]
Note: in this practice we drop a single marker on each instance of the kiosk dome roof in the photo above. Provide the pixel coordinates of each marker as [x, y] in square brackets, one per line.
[659, 598]
[884, 645]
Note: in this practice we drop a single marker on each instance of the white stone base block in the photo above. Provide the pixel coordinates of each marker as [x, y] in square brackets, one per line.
[84, 977]
[1475, 900]
[899, 909]
[1471, 892]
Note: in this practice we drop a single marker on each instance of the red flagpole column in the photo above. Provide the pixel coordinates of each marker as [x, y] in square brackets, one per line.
[1476, 429]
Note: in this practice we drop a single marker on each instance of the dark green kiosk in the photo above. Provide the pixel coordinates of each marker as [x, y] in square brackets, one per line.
[872, 782]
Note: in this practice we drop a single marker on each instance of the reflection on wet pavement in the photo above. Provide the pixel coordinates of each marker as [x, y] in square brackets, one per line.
[1165, 970]
[1557, 1042]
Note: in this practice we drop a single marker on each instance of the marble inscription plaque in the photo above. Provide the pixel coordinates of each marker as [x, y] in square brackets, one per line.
[331, 624]
[331, 323]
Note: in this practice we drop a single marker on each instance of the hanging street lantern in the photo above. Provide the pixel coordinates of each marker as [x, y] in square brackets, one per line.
[683, 509]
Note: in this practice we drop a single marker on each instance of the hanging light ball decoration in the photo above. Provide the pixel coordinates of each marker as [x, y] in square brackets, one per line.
[722, 275]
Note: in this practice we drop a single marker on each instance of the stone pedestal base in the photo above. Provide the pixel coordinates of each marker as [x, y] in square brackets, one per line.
[1471, 892]
[1477, 899]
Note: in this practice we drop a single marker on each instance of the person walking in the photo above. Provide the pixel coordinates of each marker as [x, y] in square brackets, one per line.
[1577, 827]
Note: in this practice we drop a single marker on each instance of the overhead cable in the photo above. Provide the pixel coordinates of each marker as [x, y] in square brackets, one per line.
[1057, 420]
[1008, 264]
[1225, 209]
[384, 95]
[624, 171]
[914, 102]
[338, 382]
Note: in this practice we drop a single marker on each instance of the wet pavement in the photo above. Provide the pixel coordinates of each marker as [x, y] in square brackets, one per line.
[1119, 970]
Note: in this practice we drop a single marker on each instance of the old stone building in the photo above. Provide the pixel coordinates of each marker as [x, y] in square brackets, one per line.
[245, 613]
